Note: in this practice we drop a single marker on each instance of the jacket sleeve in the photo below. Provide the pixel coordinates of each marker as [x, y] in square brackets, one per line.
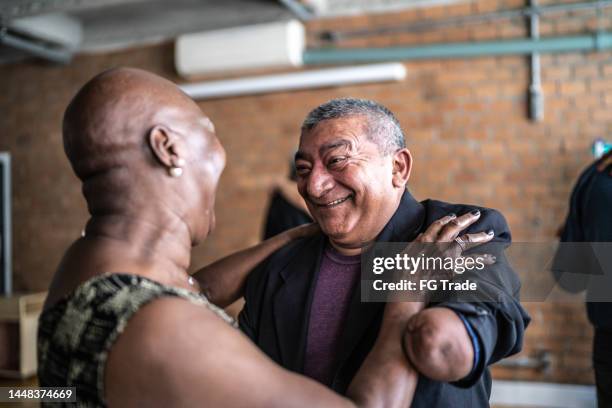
[248, 318]
[495, 312]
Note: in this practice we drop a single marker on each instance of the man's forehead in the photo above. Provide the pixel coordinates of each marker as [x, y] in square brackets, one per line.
[346, 132]
[353, 124]
[305, 153]
[352, 128]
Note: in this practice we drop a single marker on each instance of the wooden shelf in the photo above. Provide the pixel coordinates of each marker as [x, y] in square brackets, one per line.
[21, 311]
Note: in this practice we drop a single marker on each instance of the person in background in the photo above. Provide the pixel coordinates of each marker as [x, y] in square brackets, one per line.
[590, 221]
[287, 208]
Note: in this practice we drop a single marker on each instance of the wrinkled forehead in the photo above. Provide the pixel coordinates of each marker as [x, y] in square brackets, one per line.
[342, 133]
[346, 124]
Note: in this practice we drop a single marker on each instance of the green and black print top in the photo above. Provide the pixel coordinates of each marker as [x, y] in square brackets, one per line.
[76, 334]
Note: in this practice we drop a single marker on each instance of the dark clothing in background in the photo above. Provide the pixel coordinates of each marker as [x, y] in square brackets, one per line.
[282, 215]
[590, 220]
[602, 363]
[279, 297]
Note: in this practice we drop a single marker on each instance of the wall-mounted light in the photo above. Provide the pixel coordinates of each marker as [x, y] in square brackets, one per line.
[299, 80]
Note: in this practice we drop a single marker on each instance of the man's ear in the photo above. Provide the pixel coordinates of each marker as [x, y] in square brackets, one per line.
[167, 146]
[402, 165]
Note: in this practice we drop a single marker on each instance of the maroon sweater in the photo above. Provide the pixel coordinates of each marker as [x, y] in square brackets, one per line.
[337, 279]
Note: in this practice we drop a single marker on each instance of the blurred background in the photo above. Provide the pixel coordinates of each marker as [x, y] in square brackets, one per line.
[492, 115]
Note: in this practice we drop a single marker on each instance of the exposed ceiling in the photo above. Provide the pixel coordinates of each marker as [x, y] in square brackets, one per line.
[330, 8]
[115, 24]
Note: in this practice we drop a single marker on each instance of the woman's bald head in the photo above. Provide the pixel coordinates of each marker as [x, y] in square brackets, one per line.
[112, 113]
[123, 132]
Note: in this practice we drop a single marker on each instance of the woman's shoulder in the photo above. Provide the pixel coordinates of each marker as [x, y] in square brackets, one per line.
[76, 334]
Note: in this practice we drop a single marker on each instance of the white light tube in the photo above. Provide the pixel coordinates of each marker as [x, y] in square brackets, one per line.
[298, 80]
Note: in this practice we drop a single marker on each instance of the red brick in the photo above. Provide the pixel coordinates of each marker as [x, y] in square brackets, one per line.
[553, 72]
[607, 71]
[586, 71]
[572, 88]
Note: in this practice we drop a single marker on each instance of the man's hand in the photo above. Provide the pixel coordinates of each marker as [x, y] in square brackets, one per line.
[438, 344]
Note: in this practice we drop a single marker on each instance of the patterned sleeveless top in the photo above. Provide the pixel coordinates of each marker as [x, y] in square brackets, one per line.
[76, 334]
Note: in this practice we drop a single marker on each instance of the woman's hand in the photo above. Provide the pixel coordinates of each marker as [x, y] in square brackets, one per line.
[444, 240]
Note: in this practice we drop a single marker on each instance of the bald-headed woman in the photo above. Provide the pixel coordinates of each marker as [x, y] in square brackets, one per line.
[124, 323]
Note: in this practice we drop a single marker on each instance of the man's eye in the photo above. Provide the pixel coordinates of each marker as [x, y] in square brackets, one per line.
[336, 160]
[301, 171]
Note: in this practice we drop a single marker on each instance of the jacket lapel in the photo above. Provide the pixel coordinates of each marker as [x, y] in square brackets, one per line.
[403, 226]
[292, 302]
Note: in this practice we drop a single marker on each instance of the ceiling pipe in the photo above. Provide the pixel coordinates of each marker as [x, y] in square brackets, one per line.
[60, 56]
[301, 11]
[591, 42]
[420, 26]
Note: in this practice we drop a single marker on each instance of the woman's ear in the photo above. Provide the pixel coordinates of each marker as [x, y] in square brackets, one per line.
[402, 165]
[167, 146]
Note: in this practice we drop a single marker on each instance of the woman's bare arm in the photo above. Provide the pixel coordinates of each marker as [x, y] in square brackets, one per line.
[223, 281]
[174, 353]
[386, 377]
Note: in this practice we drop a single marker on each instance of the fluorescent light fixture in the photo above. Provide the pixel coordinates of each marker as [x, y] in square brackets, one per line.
[6, 254]
[299, 80]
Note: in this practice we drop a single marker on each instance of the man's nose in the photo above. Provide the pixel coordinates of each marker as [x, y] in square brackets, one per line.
[319, 183]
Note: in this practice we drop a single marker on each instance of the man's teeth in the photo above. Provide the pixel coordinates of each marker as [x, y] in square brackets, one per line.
[336, 202]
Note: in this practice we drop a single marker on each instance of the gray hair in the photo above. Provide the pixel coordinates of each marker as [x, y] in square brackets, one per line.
[383, 128]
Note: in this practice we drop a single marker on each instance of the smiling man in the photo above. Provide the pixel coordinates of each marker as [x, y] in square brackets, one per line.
[346, 181]
[303, 305]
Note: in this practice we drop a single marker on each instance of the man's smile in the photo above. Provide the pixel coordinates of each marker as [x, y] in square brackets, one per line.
[333, 203]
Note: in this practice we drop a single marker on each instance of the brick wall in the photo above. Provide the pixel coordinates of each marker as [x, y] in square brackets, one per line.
[465, 122]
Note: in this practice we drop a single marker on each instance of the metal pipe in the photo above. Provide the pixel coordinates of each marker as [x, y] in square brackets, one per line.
[539, 361]
[467, 20]
[61, 56]
[302, 12]
[536, 98]
[596, 41]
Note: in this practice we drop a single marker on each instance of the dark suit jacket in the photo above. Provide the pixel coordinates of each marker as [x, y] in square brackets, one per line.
[279, 296]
